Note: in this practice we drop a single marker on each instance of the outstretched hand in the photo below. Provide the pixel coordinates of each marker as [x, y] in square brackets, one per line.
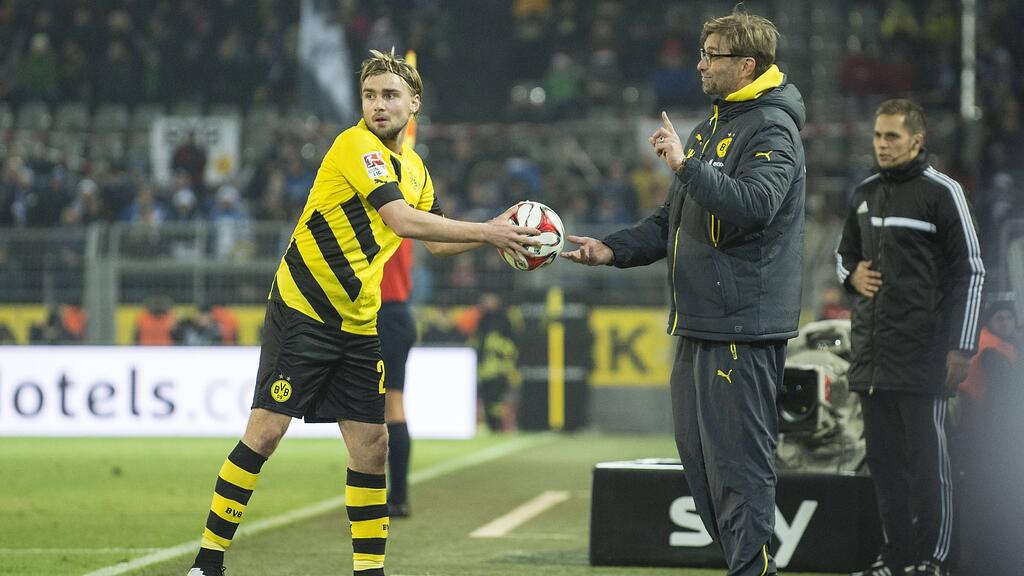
[591, 252]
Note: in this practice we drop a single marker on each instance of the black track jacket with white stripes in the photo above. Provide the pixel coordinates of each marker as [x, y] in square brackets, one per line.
[915, 224]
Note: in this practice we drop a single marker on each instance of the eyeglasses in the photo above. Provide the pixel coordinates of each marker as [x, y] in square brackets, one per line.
[709, 57]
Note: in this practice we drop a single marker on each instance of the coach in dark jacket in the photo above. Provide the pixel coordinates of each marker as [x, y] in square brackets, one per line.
[732, 232]
[910, 253]
[732, 225]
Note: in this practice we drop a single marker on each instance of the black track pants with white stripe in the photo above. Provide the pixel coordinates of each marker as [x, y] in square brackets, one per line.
[908, 455]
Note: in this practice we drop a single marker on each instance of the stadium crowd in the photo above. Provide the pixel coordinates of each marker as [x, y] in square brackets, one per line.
[81, 81]
[582, 65]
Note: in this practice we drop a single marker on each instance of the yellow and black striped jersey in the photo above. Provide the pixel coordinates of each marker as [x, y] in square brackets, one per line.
[335, 259]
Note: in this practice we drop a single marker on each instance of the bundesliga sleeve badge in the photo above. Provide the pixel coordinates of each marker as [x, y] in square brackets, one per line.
[375, 166]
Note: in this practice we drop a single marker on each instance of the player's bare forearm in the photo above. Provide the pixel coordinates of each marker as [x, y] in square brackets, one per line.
[408, 222]
[445, 249]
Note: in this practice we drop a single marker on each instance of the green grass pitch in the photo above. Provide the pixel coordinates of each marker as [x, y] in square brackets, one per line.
[86, 505]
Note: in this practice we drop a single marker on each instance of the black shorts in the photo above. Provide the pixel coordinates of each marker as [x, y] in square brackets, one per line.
[321, 374]
[397, 330]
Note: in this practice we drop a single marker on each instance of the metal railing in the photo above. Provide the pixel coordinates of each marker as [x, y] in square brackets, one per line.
[105, 267]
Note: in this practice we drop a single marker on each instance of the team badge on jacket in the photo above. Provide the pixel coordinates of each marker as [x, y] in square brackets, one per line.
[723, 147]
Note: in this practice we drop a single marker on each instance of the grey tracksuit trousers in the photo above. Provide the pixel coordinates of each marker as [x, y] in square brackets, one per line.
[726, 427]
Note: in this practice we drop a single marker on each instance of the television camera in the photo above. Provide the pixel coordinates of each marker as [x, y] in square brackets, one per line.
[820, 421]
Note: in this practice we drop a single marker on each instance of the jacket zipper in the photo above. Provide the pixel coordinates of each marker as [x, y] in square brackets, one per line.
[675, 301]
[886, 192]
[713, 226]
[675, 245]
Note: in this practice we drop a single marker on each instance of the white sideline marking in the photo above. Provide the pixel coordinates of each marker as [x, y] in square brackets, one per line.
[76, 550]
[518, 516]
[542, 536]
[163, 554]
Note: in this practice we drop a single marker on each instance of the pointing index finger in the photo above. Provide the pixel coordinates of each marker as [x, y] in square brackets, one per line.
[666, 122]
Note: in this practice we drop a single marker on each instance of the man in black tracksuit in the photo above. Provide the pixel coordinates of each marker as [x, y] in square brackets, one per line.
[732, 232]
[910, 253]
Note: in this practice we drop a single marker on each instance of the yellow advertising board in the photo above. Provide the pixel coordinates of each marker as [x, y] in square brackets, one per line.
[631, 347]
[20, 318]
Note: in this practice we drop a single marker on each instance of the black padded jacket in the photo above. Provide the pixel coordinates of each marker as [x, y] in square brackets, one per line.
[732, 226]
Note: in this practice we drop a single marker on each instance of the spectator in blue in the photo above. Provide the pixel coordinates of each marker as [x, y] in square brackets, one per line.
[230, 221]
[146, 208]
[15, 187]
[674, 81]
[615, 202]
[297, 179]
[183, 205]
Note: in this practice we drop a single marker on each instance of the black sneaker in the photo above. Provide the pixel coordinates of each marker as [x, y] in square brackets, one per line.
[929, 568]
[206, 571]
[880, 568]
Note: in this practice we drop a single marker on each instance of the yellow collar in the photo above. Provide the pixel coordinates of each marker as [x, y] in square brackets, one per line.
[772, 78]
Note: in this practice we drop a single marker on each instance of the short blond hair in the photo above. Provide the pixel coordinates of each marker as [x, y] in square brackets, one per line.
[748, 35]
[382, 63]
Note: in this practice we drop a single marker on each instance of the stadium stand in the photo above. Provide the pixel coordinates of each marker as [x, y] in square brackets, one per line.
[557, 102]
[105, 215]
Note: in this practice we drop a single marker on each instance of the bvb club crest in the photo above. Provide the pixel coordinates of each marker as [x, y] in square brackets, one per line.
[723, 147]
[281, 391]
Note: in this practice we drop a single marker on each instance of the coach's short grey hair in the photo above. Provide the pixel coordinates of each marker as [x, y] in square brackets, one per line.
[748, 35]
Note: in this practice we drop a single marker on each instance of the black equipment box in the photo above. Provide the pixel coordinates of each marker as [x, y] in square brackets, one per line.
[642, 515]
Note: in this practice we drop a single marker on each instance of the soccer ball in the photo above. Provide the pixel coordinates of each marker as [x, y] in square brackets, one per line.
[552, 236]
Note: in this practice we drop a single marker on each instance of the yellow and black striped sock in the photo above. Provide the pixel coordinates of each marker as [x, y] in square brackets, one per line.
[235, 483]
[366, 501]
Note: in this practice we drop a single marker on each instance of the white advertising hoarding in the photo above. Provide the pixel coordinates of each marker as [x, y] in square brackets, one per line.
[195, 391]
[217, 136]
